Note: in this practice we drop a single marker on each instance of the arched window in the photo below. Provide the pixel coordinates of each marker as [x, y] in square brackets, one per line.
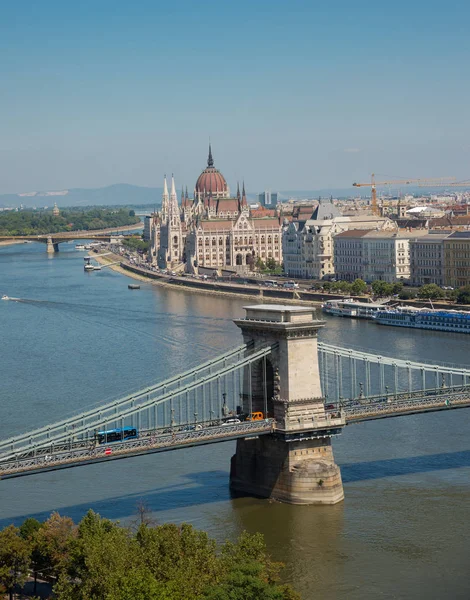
[239, 259]
[214, 242]
[175, 240]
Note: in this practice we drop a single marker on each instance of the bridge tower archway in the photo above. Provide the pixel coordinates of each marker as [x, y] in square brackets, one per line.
[295, 463]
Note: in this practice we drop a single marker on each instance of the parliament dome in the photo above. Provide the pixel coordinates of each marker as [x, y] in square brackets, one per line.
[211, 180]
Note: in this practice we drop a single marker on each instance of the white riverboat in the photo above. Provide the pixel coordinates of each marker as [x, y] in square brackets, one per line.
[80, 247]
[424, 318]
[351, 308]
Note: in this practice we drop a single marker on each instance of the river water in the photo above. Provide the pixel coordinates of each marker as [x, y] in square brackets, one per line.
[78, 339]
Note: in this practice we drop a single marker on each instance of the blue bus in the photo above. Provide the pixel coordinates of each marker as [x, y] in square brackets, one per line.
[117, 435]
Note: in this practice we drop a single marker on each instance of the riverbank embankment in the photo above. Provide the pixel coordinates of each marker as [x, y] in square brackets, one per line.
[10, 242]
[190, 284]
[249, 289]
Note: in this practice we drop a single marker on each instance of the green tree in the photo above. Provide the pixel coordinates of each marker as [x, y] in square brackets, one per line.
[359, 287]
[249, 573]
[136, 244]
[463, 295]
[382, 288]
[29, 532]
[406, 295]
[54, 539]
[430, 291]
[14, 559]
[132, 213]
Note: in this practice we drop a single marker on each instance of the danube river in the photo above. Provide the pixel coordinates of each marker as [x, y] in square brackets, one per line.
[78, 339]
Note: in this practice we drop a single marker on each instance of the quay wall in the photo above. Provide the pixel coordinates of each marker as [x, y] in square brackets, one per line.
[236, 289]
[252, 289]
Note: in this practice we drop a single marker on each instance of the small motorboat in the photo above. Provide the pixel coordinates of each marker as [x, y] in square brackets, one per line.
[5, 297]
[89, 267]
[134, 286]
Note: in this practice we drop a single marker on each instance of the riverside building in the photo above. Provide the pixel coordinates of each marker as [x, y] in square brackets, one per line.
[371, 255]
[427, 259]
[307, 245]
[457, 259]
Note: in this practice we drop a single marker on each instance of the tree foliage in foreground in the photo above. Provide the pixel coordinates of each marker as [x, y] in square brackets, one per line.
[100, 560]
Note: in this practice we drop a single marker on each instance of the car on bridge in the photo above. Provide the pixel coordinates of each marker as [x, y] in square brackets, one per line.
[231, 422]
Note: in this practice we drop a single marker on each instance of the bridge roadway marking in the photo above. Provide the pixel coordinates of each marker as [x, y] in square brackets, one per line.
[138, 447]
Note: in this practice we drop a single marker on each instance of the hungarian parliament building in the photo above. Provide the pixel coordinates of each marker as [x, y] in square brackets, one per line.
[214, 229]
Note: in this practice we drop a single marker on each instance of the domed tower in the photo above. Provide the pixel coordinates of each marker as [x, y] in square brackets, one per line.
[211, 182]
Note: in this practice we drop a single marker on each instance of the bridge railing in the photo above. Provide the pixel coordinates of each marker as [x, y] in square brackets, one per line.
[350, 373]
[412, 405]
[203, 394]
[56, 456]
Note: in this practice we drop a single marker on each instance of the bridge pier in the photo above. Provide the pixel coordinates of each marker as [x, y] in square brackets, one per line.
[294, 464]
[51, 246]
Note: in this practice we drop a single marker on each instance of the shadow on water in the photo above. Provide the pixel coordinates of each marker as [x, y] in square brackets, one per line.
[394, 467]
[207, 487]
[198, 489]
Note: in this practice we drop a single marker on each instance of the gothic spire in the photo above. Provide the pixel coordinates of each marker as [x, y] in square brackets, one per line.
[238, 190]
[210, 160]
[165, 188]
[244, 202]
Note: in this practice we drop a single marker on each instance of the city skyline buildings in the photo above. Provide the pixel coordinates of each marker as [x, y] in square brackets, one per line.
[102, 93]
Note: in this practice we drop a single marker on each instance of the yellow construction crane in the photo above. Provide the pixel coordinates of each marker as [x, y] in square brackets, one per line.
[421, 183]
[451, 184]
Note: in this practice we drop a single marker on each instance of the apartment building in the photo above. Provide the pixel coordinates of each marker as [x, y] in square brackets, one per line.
[456, 251]
[372, 255]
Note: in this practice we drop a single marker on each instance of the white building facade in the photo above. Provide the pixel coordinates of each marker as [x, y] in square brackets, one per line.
[371, 255]
[307, 246]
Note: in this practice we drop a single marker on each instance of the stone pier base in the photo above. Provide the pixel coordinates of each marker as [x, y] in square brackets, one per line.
[300, 472]
[51, 246]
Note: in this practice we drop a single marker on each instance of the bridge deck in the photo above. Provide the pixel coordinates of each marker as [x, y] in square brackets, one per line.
[86, 453]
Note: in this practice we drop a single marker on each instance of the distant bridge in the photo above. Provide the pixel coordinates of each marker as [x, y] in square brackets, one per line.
[306, 392]
[54, 239]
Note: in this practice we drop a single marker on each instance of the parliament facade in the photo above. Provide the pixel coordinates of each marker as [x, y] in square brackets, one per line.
[213, 229]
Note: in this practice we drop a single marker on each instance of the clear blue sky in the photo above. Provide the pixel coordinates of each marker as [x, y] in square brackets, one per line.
[293, 94]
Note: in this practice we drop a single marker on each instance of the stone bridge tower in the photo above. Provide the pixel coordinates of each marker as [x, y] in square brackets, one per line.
[295, 463]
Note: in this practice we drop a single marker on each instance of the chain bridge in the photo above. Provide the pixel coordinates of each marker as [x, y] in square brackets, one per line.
[281, 395]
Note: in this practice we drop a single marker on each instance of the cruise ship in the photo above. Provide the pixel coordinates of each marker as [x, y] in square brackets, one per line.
[351, 308]
[425, 318]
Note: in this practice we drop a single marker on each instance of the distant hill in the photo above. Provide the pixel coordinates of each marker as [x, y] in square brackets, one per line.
[124, 194]
[119, 194]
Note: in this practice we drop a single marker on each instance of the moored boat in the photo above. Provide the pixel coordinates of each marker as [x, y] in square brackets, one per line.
[424, 318]
[351, 308]
[133, 286]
